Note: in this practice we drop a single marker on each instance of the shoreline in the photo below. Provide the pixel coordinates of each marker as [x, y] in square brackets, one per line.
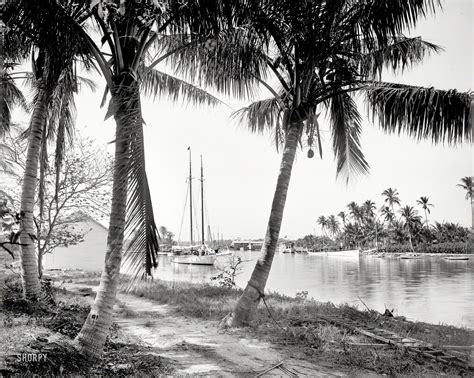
[179, 321]
[92, 278]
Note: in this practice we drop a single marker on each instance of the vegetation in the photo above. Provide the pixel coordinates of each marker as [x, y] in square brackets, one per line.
[51, 323]
[321, 54]
[79, 190]
[390, 229]
[314, 341]
[467, 184]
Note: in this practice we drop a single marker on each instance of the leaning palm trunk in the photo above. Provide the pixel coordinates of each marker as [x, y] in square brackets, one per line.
[409, 239]
[249, 300]
[91, 339]
[29, 268]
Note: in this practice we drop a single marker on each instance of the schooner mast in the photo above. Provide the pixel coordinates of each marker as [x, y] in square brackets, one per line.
[202, 204]
[190, 197]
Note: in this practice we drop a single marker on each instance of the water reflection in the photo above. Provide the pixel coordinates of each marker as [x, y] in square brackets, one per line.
[428, 289]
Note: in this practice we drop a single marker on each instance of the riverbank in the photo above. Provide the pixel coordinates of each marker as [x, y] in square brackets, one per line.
[297, 336]
[35, 339]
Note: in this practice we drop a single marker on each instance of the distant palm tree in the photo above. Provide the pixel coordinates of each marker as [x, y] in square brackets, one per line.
[424, 203]
[368, 209]
[333, 225]
[391, 197]
[467, 184]
[354, 211]
[388, 214]
[411, 219]
[323, 222]
[343, 216]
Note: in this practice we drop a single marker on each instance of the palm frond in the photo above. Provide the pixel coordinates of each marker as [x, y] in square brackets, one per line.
[346, 131]
[12, 96]
[140, 254]
[159, 84]
[230, 62]
[422, 113]
[378, 20]
[89, 83]
[401, 53]
[261, 116]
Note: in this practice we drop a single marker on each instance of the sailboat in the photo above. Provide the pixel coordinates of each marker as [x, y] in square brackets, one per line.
[195, 254]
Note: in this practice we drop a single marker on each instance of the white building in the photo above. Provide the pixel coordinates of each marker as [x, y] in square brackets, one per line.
[88, 255]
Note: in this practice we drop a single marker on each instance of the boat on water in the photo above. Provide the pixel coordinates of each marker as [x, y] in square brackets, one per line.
[200, 255]
[411, 256]
[457, 258]
[370, 251]
[345, 253]
[194, 254]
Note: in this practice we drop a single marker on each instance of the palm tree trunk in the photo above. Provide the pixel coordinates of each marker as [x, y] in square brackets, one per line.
[29, 268]
[40, 263]
[409, 239]
[2, 71]
[472, 214]
[91, 339]
[249, 300]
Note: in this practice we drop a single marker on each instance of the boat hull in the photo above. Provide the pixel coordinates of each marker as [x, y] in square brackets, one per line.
[349, 253]
[195, 260]
[410, 257]
[456, 258]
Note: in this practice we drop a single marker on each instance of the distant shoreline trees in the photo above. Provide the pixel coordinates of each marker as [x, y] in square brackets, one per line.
[389, 227]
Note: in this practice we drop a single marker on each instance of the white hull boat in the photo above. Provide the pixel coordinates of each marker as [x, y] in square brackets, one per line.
[348, 253]
[411, 256]
[457, 258]
[195, 260]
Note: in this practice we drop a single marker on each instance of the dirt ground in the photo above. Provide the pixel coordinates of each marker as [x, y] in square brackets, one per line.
[199, 347]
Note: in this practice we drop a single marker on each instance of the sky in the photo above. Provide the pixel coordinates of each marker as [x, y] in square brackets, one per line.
[241, 168]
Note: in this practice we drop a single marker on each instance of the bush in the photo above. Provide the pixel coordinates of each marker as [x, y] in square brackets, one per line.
[446, 247]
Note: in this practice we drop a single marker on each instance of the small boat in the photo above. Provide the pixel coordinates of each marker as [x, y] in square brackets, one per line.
[410, 256]
[457, 258]
[227, 252]
[369, 251]
[348, 253]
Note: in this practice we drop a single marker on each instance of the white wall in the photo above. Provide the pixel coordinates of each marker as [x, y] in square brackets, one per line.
[88, 255]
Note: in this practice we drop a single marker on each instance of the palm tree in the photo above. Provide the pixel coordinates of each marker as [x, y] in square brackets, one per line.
[323, 222]
[57, 48]
[323, 53]
[333, 225]
[368, 209]
[467, 184]
[354, 211]
[424, 203]
[388, 214]
[411, 219]
[391, 197]
[343, 217]
[140, 35]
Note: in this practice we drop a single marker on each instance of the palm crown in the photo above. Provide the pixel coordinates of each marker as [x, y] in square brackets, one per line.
[467, 184]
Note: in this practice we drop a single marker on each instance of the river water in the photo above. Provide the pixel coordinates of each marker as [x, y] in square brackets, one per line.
[430, 289]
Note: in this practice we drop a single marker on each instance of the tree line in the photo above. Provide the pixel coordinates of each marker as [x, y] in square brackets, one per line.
[320, 54]
[390, 226]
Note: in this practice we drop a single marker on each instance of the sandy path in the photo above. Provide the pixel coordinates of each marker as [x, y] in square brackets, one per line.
[199, 347]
